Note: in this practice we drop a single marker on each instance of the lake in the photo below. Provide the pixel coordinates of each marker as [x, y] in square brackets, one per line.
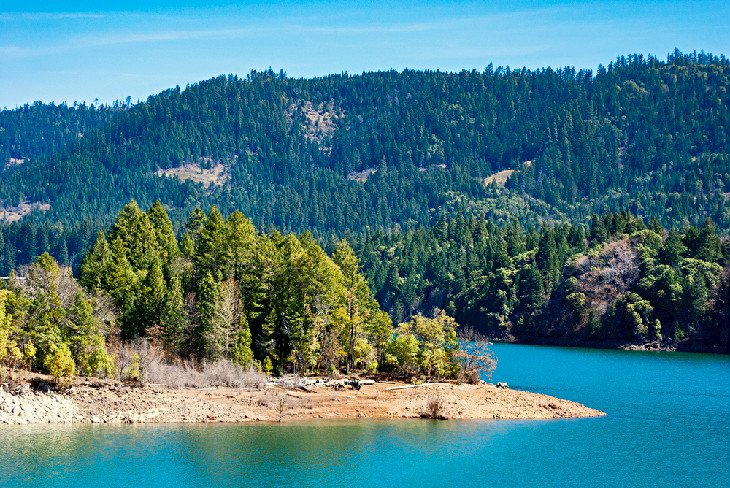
[668, 424]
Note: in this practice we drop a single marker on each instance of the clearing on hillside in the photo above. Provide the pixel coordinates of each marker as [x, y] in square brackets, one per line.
[14, 162]
[499, 178]
[214, 176]
[319, 121]
[362, 176]
[14, 214]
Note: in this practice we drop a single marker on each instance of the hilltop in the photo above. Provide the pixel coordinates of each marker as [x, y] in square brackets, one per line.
[356, 153]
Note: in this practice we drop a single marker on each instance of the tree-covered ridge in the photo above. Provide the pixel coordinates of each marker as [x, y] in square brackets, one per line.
[47, 130]
[372, 151]
[615, 282]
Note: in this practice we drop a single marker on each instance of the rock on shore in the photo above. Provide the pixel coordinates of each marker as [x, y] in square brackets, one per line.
[25, 406]
[119, 403]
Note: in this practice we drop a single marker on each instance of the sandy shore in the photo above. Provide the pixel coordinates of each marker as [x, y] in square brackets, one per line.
[118, 403]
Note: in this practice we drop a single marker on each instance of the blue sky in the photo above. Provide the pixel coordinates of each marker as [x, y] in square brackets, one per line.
[106, 50]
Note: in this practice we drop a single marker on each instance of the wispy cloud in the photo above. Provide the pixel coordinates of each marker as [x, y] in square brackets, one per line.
[85, 42]
[169, 35]
[265, 27]
[46, 16]
[375, 29]
[15, 52]
[446, 23]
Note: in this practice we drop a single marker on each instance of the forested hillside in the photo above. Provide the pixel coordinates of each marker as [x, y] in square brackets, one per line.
[346, 154]
[614, 283]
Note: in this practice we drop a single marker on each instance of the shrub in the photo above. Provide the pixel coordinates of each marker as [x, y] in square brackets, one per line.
[475, 357]
[133, 371]
[268, 366]
[143, 362]
[60, 363]
[403, 352]
[435, 408]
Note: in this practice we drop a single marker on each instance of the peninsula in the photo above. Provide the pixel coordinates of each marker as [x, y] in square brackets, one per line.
[93, 401]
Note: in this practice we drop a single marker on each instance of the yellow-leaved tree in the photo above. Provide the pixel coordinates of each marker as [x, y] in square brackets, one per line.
[9, 350]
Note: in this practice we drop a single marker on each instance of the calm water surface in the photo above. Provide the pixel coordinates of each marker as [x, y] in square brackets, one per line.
[668, 424]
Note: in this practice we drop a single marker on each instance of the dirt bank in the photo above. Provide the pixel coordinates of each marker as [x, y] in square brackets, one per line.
[106, 402]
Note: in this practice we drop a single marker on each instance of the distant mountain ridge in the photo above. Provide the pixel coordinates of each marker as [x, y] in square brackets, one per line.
[350, 154]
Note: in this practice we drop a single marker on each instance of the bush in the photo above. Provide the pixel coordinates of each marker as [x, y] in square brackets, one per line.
[133, 371]
[403, 352]
[435, 408]
[187, 374]
[476, 358]
[60, 364]
[268, 366]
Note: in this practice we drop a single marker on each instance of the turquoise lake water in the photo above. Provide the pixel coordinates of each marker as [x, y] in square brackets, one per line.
[668, 424]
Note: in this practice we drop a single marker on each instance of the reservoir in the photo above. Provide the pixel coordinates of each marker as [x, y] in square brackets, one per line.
[667, 424]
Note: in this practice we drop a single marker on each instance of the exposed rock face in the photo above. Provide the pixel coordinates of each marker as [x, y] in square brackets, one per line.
[318, 122]
[14, 214]
[215, 176]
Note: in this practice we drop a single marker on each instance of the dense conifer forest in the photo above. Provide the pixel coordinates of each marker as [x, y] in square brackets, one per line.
[545, 205]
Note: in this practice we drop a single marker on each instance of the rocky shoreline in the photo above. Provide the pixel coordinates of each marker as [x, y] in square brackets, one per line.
[111, 402]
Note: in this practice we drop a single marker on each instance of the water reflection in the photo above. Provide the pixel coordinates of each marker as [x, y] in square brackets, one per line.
[667, 426]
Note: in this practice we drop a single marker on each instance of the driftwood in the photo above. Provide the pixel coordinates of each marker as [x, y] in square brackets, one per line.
[355, 384]
[416, 386]
[403, 387]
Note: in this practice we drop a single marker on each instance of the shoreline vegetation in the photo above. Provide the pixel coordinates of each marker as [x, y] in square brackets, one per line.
[231, 325]
[93, 400]
[650, 346]
[223, 293]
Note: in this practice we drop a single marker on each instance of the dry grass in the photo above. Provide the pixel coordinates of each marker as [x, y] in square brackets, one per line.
[145, 363]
